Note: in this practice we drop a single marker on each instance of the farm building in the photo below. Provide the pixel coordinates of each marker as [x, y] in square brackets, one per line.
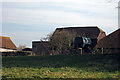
[6, 44]
[110, 43]
[92, 32]
[40, 47]
[27, 49]
[69, 34]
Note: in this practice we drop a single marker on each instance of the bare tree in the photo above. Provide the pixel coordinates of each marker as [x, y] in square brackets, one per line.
[61, 42]
[47, 38]
[21, 47]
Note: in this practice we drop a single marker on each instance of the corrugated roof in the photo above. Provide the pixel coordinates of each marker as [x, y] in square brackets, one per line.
[110, 41]
[6, 42]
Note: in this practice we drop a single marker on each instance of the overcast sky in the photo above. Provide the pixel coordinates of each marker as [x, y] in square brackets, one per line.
[25, 22]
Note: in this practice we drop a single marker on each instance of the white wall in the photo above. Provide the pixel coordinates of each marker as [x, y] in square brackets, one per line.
[6, 50]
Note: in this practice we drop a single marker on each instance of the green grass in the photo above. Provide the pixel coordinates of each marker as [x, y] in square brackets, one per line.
[61, 66]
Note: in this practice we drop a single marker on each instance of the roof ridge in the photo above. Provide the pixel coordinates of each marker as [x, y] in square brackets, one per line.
[113, 32]
[7, 42]
[79, 27]
[4, 37]
[100, 29]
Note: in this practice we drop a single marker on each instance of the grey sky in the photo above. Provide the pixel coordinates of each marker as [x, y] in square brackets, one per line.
[28, 21]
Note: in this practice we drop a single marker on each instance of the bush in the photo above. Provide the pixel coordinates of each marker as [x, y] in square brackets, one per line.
[61, 42]
[96, 51]
[18, 53]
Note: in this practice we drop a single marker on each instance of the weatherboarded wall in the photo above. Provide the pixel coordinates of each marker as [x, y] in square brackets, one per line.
[111, 42]
[93, 32]
[40, 48]
[63, 37]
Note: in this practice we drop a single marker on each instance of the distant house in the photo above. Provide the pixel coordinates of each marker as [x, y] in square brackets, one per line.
[93, 32]
[111, 42]
[6, 44]
[27, 49]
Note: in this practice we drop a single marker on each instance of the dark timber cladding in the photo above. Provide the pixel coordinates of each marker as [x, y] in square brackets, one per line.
[110, 41]
[92, 32]
[40, 47]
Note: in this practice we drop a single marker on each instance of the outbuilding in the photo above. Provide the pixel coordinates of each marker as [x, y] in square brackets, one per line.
[43, 47]
[110, 43]
[92, 32]
[6, 44]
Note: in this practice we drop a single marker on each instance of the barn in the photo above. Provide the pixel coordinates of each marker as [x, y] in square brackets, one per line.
[6, 44]
[110, 43]
[93, 32]
[40, 47]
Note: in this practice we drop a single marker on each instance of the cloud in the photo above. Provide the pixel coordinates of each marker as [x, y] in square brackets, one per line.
[81, 9]
[0, 18]
[56, 13]
[72, 13]
[42, 0]
[24, 37]
[77, 1]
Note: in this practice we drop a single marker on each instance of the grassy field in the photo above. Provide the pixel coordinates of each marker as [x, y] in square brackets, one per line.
[61, 66]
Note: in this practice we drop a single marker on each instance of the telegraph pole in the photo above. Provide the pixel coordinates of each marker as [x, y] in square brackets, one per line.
[119, 15]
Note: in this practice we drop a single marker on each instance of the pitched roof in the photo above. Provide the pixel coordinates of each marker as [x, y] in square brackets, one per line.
[27, 49]
[89, 31]
[100, 29]
[6, 42]
[110, 41]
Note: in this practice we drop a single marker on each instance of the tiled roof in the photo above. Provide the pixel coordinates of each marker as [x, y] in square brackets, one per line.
[90, 31]
[110, 41]
[6, 42]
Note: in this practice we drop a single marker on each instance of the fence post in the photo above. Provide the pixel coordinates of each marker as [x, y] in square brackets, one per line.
[102, 50]
[80, 50]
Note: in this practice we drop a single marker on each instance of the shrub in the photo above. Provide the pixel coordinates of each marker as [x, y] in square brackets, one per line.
[17, 53]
